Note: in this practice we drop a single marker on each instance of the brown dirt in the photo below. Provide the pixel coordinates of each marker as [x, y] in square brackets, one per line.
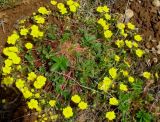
[146, 18]
[11, 15]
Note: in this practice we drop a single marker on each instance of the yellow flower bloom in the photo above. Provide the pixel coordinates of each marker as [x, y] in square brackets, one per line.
[53, 2]
[128, 43]
[135, 44]
[123, 87]
[125, 73]
[40, 82]
[108, 34]
[37, 95]
[113, 72]
[29, 45]
[110, 115]
[138, 38]
[107, 16]
[14, 57]
[105, 84]
[35, 32]
[123, 33]
[113, 101]
[99, 9]
[23, 31]
[63, 11]
[20, 83]
[60, 5]
[13, 49]
[8, 81]
[43, 11]
[13, 38]
[117, 58]
[8, 62]
[6, 70]
[67, 112]
[105, 9]
[102, 22]
[73, 8]
[52, 103]
[70, 2]
[131, 79]
[83, 105]
[139, 53]
[119, 43]
[33, 104]
[31, 76]
[39, 19]
[130, 26]
[26, 93]
[147, 75]
[76, 98]
[120, 26]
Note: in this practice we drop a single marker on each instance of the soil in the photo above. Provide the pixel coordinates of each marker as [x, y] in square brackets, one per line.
[146, 18]
[12, 15]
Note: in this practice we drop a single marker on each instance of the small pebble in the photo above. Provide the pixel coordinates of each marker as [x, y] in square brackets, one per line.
[156, 3]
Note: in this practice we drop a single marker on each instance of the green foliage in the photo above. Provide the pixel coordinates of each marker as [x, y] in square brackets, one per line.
[59, 63]
[143, 116]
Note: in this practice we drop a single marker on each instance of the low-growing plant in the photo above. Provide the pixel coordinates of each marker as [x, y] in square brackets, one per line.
[68, 65]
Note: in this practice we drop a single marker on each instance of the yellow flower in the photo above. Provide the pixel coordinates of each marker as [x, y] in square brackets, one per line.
[26, 93]
[31, 76]
[53, 2]
[40, 82]
[67, 112]
[60, 5]
[105, 84]
[83, 105]
[110, 115]
[117, 58]
[113, 101]
[32, 104]
[138, 38]
[20, 83]
[63, 11]
[113, 72]
[108, 34]
[102, 22]
[13, 38]
[130, 26]
[6, 70]
[39, 19]
[73, 8]
[24, 32]
[128, 43]
[29, 45]
[99, 9]
[135, 44]
[52, 103]
[119, 43]
[13, 49]
[70, 2]
[105, 9]
[76, 98]
[120, 26]
[147, 75]
[8, 62]
[107, 16]
[125, 73]
[43, 11]
[139, 53]
[35, 31]
[123, 87]
[37, 95]
[7, 81]
[131, 79]
[14, 57]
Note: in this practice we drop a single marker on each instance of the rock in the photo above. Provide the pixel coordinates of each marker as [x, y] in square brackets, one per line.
[156, 3]
[128, 15]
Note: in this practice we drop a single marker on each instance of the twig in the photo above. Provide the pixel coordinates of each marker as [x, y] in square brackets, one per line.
[2, 25]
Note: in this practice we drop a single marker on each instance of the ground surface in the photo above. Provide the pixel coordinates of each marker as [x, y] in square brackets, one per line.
[146, 17]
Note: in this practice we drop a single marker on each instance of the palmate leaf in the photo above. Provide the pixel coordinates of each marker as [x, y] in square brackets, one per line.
[59, 63]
